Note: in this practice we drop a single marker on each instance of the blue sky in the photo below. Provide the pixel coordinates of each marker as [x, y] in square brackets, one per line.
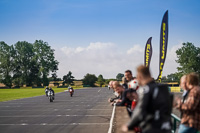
[104, 29]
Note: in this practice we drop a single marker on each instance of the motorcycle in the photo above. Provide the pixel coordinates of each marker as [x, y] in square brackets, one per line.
[71, 92]
[50, 96]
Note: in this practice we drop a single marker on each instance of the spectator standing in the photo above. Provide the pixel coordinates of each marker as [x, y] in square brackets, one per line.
[183, 86]
[152, 112]
[190, 107]
[185, 90]
[110, 85]
[124, 83]
[117, 96]
[119, 89]
[128, 76]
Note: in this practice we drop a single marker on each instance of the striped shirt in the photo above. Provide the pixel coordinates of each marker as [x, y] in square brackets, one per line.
[190, 109]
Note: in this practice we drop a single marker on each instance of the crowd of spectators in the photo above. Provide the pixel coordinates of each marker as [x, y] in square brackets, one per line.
[149, 103]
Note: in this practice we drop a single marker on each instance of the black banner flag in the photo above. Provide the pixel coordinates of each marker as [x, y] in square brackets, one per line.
[163, 44]
[148, 53]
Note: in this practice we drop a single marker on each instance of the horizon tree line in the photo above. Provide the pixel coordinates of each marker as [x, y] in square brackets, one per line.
[26, 63]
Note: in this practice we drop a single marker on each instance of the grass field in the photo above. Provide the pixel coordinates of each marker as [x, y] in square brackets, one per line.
[12, 94]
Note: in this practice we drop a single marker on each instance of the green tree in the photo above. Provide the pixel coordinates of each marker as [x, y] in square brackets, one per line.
[174, 77]
[26, 64]
[34, 73]
[44, 56]
[100, 80]
[89, 79]
[68, 79]
[6, 64]
[53, 77]
[119, 76]
[164, 78]
[188, 58]
[23, 62]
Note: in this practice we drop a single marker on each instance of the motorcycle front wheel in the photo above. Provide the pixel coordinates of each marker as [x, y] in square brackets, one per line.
[51, 100]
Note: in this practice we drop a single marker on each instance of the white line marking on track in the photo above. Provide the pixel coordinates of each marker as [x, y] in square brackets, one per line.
[50, 105]
[99, 90]
[55, 116]
[51, 110]
[56, 124]
[11, 106]
[24, 124]
[68, 101]
[111, 120]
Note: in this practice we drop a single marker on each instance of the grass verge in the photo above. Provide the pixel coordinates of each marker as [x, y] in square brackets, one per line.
[13, 94]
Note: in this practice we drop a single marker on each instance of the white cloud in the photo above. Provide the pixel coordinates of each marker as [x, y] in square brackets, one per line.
[93, 47]
[79, 49]
[107, 59]
[172, 52]
[135, 49]
[68, 51]
[96, 58]
[99, 46]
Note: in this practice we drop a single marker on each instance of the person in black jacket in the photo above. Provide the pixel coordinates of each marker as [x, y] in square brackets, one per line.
[128, 97]
[152, 112]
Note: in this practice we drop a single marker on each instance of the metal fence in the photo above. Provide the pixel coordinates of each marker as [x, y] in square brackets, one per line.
[175, 122]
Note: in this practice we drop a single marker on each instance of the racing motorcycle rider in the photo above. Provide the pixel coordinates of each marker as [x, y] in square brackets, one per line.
[46, 90]
[70, 88]
[50, 89]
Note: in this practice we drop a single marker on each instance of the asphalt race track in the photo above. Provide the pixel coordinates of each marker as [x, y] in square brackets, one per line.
[86, 112]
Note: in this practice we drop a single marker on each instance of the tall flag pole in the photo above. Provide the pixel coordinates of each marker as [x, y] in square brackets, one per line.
[148, 53]
[163, 44]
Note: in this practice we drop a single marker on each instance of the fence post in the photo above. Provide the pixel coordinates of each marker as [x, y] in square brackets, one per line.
[176, 119]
